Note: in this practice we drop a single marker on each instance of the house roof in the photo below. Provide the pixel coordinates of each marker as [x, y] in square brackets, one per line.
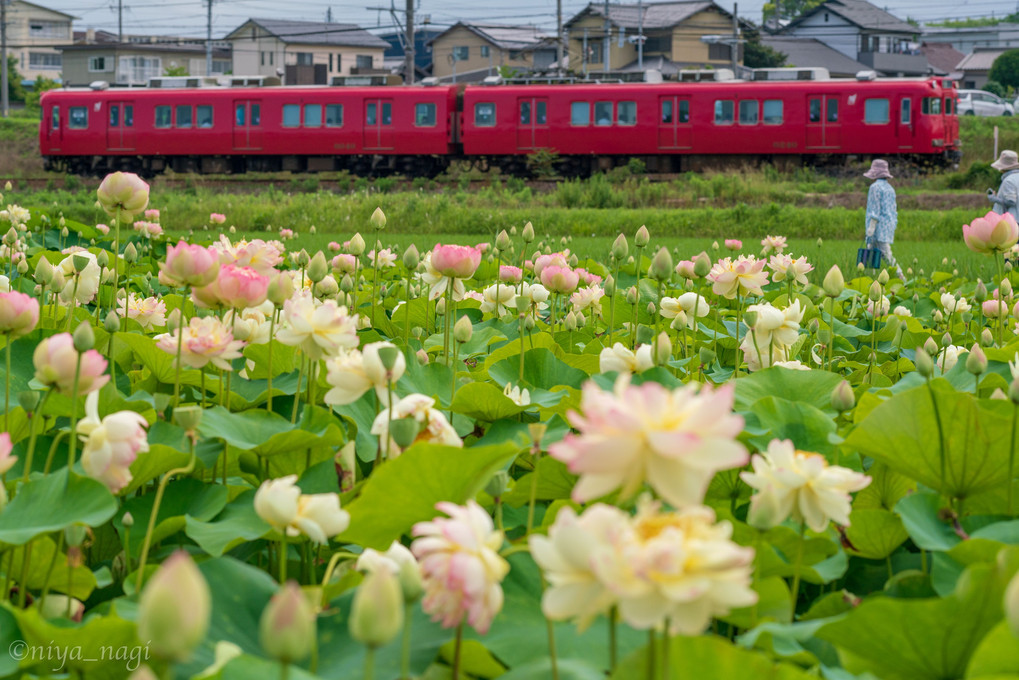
[656, 15]
[980, 59]
[941, 56]
[98, 36]
[502, 36]
[861, 13]
[313, 33]
[48, 9]
[810, 52]
[217, 52]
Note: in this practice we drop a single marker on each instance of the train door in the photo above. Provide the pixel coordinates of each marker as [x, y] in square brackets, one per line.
[532, 125]
[56, 129]
[905, 130]
[674, 128]
[378, 124]
[120, 128]
[824, 123]
[247, 126]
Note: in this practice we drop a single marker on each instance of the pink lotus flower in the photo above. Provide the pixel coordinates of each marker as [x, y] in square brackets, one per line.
[334, 247]
[733, 244]
[241, 287]
[19, 314]
[455, 262]
[461, 566]
[587, 277]
[785, 267]
[992, 233]
[286, 234]
[262, 256]
[995, 308]
[559, 279]
[148, 312]
[103, 229]
[685, 268]
[111, 444]
[745, 275]
[152, 214]
[7, 461]
[553, 259]
[482, 247]
[675, 440]
[510, 274]
[123, 193]
[55, 360]
[205, 340]
[344, 264]
[773, 244]
[189, 265]
[217, 218]
[386, 258]
[318, 329]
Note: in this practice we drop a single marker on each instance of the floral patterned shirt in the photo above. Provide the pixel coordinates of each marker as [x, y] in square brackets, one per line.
[881, 207]
[1007, 198]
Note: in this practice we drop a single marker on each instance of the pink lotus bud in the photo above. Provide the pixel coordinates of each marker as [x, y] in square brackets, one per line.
[560, 279]
[19, 313]
[189, 265]
[217, 218]
[991, 233]
[125, 192]
[152, 214]
[287, 628]
[103, 229]
[334, 247]
[55, 360]
[733, 244]
[376, 614]
[686, 269]
[457, 262]
[7, 461]
[344, 263]
[174, 609]
[510, 274]
[995, 308]
[236, 287]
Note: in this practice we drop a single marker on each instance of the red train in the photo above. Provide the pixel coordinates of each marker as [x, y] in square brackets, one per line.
[418, 130]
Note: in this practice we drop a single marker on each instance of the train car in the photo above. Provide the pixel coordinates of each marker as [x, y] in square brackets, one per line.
[224, 130]
[677, 126]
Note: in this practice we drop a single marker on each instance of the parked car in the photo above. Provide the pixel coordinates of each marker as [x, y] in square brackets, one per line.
[980, 103]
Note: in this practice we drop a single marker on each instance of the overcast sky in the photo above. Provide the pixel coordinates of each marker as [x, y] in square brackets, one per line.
[188, 17]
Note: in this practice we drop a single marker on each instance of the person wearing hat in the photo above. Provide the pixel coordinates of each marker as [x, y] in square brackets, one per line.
[1007, 198]
[882, 214]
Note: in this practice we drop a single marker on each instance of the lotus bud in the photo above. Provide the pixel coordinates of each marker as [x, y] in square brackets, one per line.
[661, 265]
[714, 246]
[980, 294]
[29, 400]
[937, 316]
[356, 246]
[498, 484]
[842, 397]
[422, 357]
[651, 308]
[679, 322]
[318, 267]
[641, 238]
[173, 321]
[103, 259]
[411, 257]
[440, 306]
[346, 283]
[976, 362]
[64, 233]
[130, 254]
[875, 292]
[999, 395]
[8, 186]
[609, 287]
[43, 272]
[287, 629]
[924, 364]
[22, 267]
[174, 609]
[376, 614]
[860, 267]
[706, 356]
[930, 346]
[1013, 394]
[1005, 289]
[327, 288]
[378, 219]
[58, 281]
[813, 325]
[661, 350]
[571, 321]
[581, 320]
[528, 233]
[946, 340]
[188, 418]
[834, 283]
[987, 338]
[750, 318]
[111, 324]
[620, 249]
[84, 337]
[819, 242]
[882, 278]
[127, 520]
[528, 323]
[463, 329]
[631, 295]
[1008, 266]
[702, 265]
[513, 230]
[909, 272]
[502, 241]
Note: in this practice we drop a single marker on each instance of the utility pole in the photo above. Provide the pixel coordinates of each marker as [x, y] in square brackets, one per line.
[4, 103]
[208, 41]
[640, 34]
[734, 53]
[584, 57]
[120, 21]
[409, 50]
[559, 34]
[608, 36]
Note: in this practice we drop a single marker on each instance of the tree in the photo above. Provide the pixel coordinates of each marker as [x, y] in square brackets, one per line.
[786, 10]
[1005, 69]
[758, 55]
[42, 84]
[176, 71]
[994, 88]
[15, 90]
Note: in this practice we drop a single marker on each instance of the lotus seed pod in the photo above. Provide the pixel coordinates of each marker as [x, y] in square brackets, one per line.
[750, 318]
[29, 400]
[706, 355]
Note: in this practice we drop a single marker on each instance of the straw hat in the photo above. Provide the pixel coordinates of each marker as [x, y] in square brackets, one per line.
[878, 170]
[1008, 160]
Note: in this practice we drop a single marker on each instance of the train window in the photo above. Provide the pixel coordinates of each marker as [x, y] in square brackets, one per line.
[312, 115]
[203, 116]
[162, 116]
[484, 114]
[932, 105]
[626, 113]
[114, 115]
[334, 115]
[525, 113]
[948, 106]
[256, 114]
[239, 116]
[424, 115]
[371, 114]
[292, 115]
[906, 112]
[724, 112]
[580, 113]
[183, 116]
[387, 113]
[773, 111]
[815, 111]
[77, 117]
[128, 115]
[684, 111]
[603, 113]
[748, 112]
[875, 111]
[833, 110]
[55, 118]
[539, 113]
[667, 111]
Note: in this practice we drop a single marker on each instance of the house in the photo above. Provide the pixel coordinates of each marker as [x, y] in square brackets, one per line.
[34, 34]
[966, 39]
[672, 33]
[865, 33]
[395, 54]
[976, 65]
[471, 52]
[942, 58]
[304, 52]
[810, 52]
[135, 62]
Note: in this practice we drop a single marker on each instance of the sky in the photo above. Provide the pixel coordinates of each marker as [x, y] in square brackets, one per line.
[188, 17]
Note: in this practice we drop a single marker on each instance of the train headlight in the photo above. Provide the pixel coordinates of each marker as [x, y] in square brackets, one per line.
[937, 142]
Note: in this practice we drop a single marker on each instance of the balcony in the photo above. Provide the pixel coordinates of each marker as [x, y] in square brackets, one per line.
[891, 64]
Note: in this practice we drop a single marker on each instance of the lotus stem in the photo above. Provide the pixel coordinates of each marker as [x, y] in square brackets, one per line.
[74, 417]
[405, 645]
[797, 568]
[147, 543]
[456, 651]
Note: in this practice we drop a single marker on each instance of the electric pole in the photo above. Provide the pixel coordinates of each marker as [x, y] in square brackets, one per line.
[640, 35]
[208, 41]
[608, 36]
[4, 103]
[735, 40]
[559, 34]
[120, 21]
[410, 65]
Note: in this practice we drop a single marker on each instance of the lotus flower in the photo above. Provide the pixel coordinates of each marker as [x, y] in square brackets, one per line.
[992, 233]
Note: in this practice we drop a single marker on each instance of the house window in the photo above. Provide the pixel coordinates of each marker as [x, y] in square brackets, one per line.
[203, 116]
[43, 60]
[661, 43]
[603, 113]
[330, 62]
[270, 59]
[263, 58]
[96, 64]
[183, 116]
[139, 69]
[724, 112]
[486, 51]
[484, 114]
[163, 116]
[875, 111]
[905, 114]
[516, 55]
[305, 58]
[580, 113]
[594, 52]
[334, 115]
[424, 115]
[47, 29]
[773, 110]
[364, 61]
[220, 66]
[461, 53]
[312, 115]
[291, 115]
[77, 117]
[626, 113]
[719, 52]
[748, 112]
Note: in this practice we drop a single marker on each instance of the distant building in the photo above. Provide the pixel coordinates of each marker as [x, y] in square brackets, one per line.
[672, 33]
[969, 38]
[976, 65]
[304, 52]
[865, 33]
[134, 63]
[942, 58]
[394, 55]
[34, 34]
[810, 52]
[473, 51]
